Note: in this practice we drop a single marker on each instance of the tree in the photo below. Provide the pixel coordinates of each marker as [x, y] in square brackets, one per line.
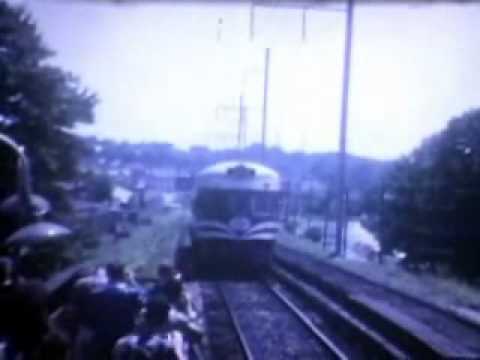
[39, 103]
[430, 200]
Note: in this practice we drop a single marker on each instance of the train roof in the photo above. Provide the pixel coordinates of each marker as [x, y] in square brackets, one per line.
[225, 166]
[239, 175]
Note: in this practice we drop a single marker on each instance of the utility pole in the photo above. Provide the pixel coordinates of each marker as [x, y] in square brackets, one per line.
[241, 124]
[252, 21]
[219, 30]
[341, 206]
[240, 117]
[265, 102]
[304, 24]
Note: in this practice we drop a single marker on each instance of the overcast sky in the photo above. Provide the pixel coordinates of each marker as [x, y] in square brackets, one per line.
[170, 73]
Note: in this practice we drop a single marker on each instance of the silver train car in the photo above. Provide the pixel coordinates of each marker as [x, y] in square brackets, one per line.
[237, 212]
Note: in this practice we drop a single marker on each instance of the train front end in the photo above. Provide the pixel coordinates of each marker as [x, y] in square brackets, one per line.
[237, 213]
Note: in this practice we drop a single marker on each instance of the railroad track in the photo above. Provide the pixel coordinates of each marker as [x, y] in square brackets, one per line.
[383, 319]
[221, 339]
[269, 326]
[281, 319]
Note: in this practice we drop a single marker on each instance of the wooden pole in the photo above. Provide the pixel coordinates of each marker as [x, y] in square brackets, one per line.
[265, 102]
[341, 206]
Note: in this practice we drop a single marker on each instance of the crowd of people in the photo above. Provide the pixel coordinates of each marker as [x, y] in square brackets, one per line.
[110, 314]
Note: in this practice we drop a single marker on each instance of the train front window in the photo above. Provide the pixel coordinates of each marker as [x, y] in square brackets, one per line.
[240, 203]
[223, 204]
[266, 204]
[211, 205]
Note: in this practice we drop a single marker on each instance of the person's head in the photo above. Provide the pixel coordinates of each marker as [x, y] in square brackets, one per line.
[174, 289]
[6, 270]
[156, 310]
[140, 271]
[164, 270]
[167, 272]
[115, 272]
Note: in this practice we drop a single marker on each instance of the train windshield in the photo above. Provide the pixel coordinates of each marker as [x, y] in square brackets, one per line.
[224, 205]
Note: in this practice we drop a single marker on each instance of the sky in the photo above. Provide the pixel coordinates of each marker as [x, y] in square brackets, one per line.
[173, 73]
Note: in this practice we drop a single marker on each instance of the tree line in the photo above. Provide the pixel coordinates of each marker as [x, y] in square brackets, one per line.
[40, 104]
[428, 204]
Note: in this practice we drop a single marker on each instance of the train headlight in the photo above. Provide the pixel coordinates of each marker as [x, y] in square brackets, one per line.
[240, 224]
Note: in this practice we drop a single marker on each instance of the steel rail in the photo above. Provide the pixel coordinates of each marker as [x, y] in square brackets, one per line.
[395, 327]
[247, 353]
[320, 336]
[402, 294]
[388, 349]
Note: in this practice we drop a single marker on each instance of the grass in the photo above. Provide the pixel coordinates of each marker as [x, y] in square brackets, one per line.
[445, 292]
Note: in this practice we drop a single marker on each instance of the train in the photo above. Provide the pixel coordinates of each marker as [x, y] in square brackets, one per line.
[237, 209]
